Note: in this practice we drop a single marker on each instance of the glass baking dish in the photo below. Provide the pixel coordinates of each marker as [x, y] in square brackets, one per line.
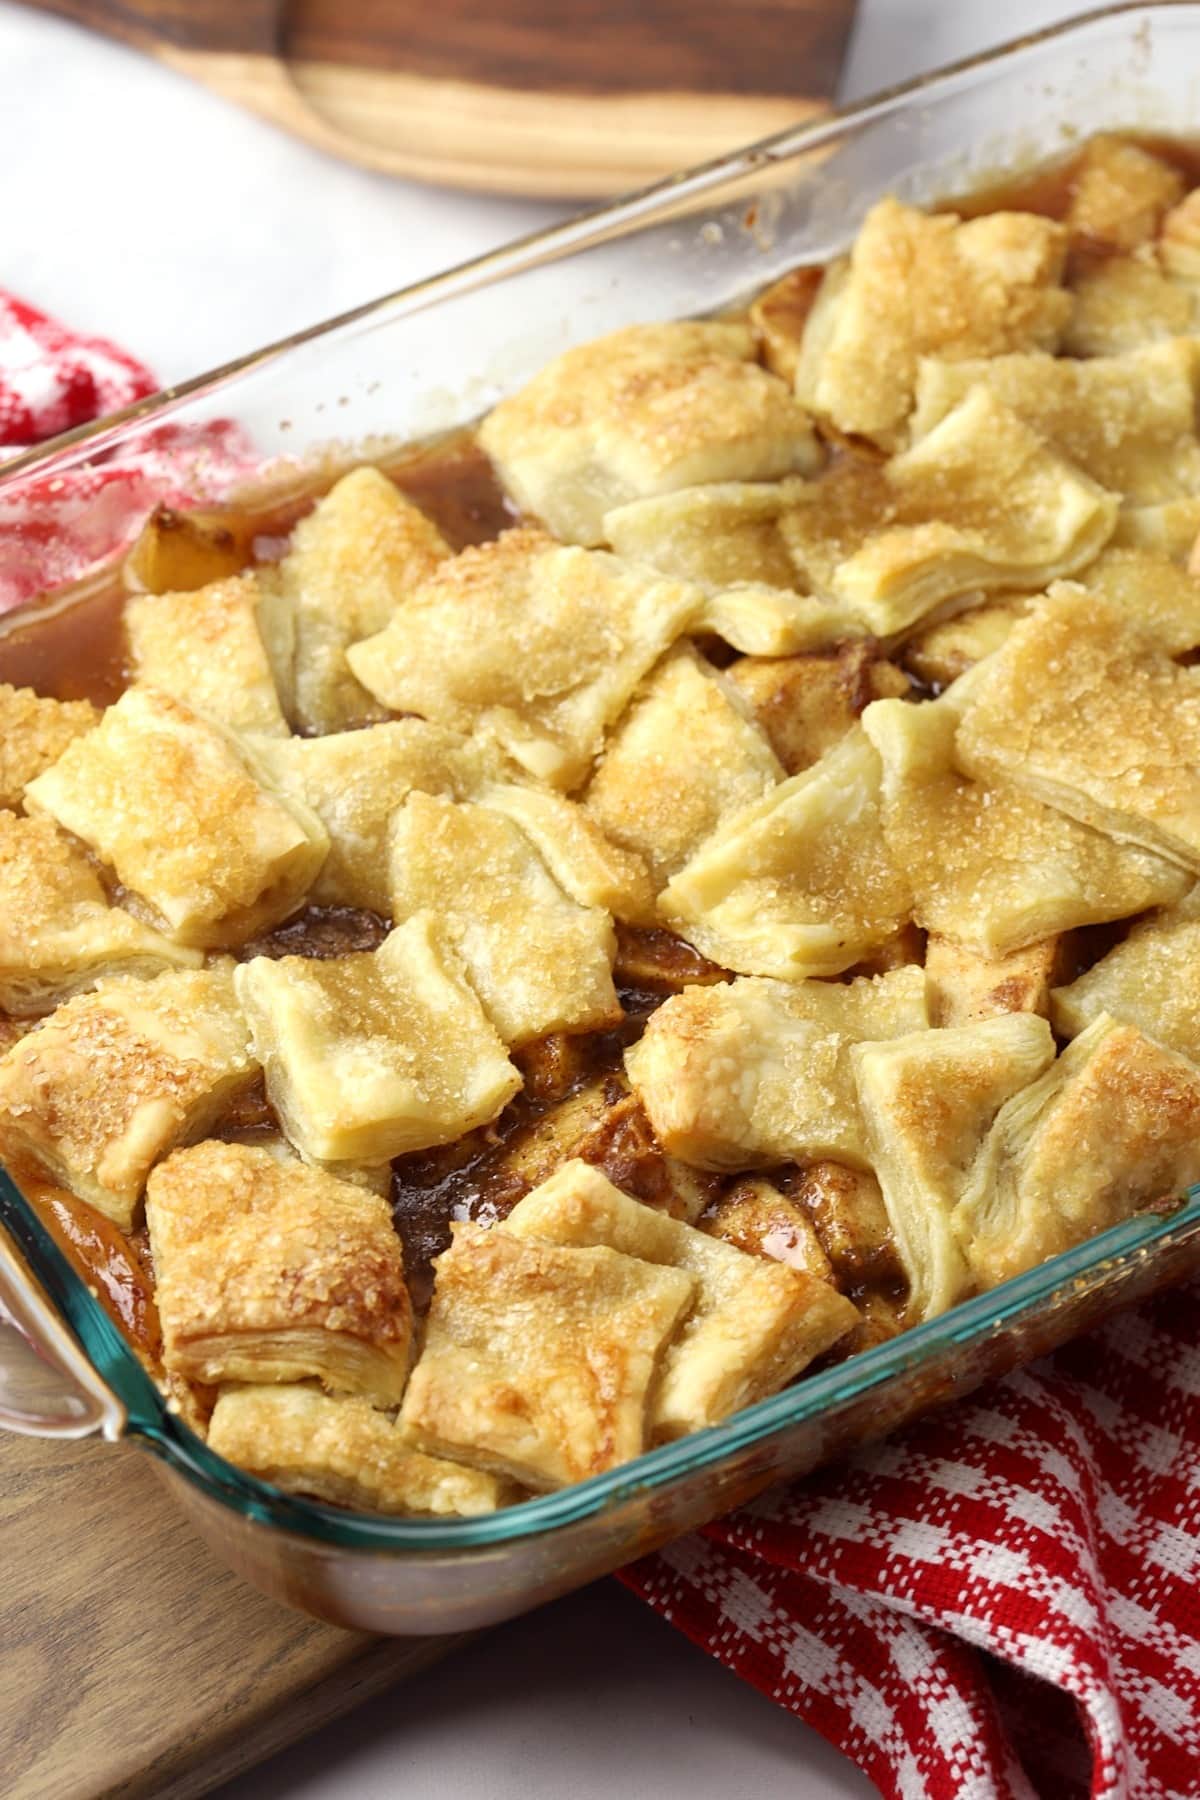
[424, 361]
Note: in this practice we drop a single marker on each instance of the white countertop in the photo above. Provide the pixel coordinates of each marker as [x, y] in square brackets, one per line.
[137, 205]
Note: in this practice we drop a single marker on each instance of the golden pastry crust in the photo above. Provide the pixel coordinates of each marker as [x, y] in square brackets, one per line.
[682, 759]
[115, 1079]
[33, 735]
[1178, 243]
[725, 540]
[371, 1055]
[644, 411]
[807, 704]
[939, 653]
[928, 1101]
[965, 986]
[893, 541]
[344, 1452]
[753, 1325]
[354, 781]
[270, 1271]
[1151, 592]
[800, 882]
[570, 634]
[178, 808]
[538, 960]
[205, 647]
[758, 1073]
[919, 284]
[586, 863]
[58, 933]
[1169, 529]
[1088, 715]
[539, 1361]
[1110, 1127]
[1152, 980]
[1120, 193]
[361, 551]
[1128, 422]
[779, 315]
[1125, 302]
[988, 864]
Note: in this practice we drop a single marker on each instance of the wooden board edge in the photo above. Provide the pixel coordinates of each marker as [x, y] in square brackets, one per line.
[460, 134]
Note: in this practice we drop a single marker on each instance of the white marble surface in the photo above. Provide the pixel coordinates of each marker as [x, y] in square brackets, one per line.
[135, 204]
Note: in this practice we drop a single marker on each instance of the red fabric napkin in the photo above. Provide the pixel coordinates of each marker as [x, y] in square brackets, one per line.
[996, 1604]
[55, 529]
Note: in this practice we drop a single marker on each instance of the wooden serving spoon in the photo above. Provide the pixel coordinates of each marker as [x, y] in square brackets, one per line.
[581, 98]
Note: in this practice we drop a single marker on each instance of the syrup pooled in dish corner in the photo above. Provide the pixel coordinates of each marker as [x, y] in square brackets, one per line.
[522, 952]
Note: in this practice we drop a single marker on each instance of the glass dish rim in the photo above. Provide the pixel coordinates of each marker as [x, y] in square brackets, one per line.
[148, 1416]
[555, 241]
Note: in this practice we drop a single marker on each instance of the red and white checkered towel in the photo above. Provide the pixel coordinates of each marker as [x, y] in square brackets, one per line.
[57, 528]
[1001, 1602]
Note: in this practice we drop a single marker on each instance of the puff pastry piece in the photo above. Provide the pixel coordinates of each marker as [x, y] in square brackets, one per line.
[928, 1101]
[1178, 245]
[990, 865]
[370, 1055]
[919, 284]
[58, 933]
[940, 652]
[343, 1452]
[1152, 593]
[354, 781]
[1125, 302]
[758, 1073]
[586, 863]
[1119, 193]
[893, 541]
[1152, 980]
[352, 561]
[208, 648]
[875, 547]
[539, 1361]
[178, 808]
[1110, 1127]
[538, 960]
[753, 1324]
[1129, 422]
[33, 734]
[570, 634]
[800, 882]
[1168, 529]
[1090, 716]
[642, 411]
[116, 1078]
[684, 757]
[726, 540]
[270, 1271]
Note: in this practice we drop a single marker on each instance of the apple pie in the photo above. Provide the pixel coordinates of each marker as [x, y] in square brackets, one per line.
[539, 945]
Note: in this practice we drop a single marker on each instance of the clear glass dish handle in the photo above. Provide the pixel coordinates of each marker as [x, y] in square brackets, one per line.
[47, 1386]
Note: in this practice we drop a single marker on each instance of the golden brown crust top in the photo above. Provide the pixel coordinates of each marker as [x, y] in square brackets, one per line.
[33, 735]
[539, 1360]
[245, 1243]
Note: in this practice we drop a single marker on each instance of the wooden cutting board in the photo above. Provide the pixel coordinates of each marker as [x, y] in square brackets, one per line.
[519, 96]
[132, 1664]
